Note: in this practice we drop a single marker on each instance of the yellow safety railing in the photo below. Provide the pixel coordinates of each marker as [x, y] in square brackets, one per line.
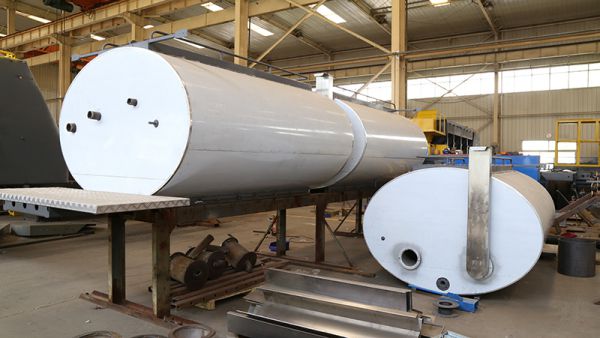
[585, 134]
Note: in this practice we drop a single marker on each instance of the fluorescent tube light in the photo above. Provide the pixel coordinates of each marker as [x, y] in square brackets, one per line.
[212, 7]
[33, 17]
[329, 14]
[260, 30]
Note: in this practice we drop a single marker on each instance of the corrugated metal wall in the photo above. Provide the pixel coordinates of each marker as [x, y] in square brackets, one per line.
[524, 116]
[46, 77]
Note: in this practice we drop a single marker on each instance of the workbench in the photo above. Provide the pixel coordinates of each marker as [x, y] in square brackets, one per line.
[165, 213]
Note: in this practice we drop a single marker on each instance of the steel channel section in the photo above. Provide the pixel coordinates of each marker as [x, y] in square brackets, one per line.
[376, 295]
[478, 262]
[326, 306]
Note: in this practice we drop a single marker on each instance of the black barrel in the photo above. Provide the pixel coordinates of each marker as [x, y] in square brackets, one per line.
[577, 257]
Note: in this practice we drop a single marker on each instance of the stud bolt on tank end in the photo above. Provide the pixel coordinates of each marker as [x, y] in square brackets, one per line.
[154, 123]
[71, 127]
[132, 102]
[94, 115]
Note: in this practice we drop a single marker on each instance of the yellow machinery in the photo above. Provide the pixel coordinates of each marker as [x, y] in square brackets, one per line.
[584, 134]
[442, 134]
[7, 54]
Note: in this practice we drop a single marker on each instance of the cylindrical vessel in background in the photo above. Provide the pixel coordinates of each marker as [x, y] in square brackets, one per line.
[169, 126]
[416, 228]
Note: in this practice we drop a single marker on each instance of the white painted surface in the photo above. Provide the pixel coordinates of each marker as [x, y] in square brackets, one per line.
[394, 144]
[426, 210]
[220, 132]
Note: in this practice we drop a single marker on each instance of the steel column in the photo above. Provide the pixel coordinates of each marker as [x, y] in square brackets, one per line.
[241, 31]
[320, 229]
[359, 216]
[116, 258]
[399, 48]
[161, 251]
[281, 231]
[11, 15]
[64, 73]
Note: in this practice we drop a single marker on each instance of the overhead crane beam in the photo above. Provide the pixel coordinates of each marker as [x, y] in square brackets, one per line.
[75, 21]
[29, 9]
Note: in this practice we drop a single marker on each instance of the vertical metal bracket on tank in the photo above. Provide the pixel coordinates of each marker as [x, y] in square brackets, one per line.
[479, 265]
[324, 85]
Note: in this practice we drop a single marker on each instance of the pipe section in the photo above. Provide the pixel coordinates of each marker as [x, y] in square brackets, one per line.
[176, 127]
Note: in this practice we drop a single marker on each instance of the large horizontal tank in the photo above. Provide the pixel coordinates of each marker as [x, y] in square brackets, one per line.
[416, 228]
[138, 121]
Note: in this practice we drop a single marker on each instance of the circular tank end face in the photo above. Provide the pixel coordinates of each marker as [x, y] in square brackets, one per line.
[125, 122]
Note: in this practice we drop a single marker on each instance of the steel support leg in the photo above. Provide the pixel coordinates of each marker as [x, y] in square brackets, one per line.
[116, 259]
[320, 230]
[281, 232]
[161, 251]
[358, 227]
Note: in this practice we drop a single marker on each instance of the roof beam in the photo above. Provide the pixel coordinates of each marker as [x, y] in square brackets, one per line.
[291, 31]
[29, 9]
[76, 21]
[487, 16]
[368, 10]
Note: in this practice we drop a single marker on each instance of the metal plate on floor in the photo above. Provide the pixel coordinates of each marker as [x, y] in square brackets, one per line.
[92, 202]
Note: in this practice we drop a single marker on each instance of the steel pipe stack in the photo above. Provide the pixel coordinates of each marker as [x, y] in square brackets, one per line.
[136, 121]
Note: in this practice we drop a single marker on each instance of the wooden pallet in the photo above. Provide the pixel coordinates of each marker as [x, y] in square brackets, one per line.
[230, 284]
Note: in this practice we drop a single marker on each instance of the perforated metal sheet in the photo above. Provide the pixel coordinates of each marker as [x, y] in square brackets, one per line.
[93, 202]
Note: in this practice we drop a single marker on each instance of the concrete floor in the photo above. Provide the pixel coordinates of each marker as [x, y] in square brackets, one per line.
[40, 285]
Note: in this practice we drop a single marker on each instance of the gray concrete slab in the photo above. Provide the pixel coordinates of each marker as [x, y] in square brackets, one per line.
[40, 285]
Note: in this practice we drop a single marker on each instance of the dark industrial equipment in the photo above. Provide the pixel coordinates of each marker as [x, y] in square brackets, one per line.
[29, 145]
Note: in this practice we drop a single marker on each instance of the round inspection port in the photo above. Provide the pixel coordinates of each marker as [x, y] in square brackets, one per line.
[410, 259]
[71, 127]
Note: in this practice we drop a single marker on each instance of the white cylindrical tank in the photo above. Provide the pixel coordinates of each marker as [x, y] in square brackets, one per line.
[137, 121]
[416, 228]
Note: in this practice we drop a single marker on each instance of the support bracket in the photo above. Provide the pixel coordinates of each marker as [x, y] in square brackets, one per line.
[479, 265]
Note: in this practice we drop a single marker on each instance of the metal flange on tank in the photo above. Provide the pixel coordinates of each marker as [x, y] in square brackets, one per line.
[455, 230]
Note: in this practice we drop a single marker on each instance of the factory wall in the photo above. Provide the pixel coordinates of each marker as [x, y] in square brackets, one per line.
[524, 116]
[46, 77]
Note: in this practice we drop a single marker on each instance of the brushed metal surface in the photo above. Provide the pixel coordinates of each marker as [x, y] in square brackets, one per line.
[478, 262]
[92, 202]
